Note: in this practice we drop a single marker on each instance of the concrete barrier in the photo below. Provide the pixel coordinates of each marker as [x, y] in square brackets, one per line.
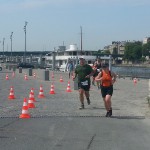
[14, 68]
[76, 83]
[46, 75]
[10, 67]
[20, 69]
[6, 66]
[30, 71]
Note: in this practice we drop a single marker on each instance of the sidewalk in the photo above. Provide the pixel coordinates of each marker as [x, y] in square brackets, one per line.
[129, 99]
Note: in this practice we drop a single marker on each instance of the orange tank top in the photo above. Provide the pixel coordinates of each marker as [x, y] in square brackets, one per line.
[106, 79]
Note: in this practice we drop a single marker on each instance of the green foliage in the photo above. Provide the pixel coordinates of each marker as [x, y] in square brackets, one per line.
[146, 49]
[103, 52]
[115, 51]
[107, 52]
[133, 51]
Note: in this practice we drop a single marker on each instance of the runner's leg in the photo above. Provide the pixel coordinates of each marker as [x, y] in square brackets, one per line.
[81, 97]
[108, 103]
[87, 95]
[105, 104]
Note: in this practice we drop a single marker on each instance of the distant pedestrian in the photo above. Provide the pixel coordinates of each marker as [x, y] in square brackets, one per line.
[99, 63]
[83, 71]
[95, 73]
[98, 66]
[70, 68]
[107, 79]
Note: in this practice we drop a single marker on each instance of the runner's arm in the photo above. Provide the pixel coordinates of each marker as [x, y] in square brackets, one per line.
[92, 72]
[75, 75]
[99, 77]
[114, 76]
[88, 76]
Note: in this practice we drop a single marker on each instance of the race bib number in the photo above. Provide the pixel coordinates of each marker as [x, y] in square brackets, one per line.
[84, 83]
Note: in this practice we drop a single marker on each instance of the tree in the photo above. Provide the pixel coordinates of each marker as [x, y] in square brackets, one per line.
[115, 51]
[106, 52]
[133, 51]
[146, 49]
[137, 53]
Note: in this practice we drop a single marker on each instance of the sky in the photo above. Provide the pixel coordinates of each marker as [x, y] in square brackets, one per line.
[52, 23]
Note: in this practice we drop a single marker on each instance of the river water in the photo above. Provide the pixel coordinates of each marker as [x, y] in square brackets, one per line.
[132, 71]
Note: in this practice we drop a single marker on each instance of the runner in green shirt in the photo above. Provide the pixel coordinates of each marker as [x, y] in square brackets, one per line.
[83, 71]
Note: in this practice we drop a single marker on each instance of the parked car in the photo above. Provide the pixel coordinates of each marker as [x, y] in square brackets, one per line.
[25, 65]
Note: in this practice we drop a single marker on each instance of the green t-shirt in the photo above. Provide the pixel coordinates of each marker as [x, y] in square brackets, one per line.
[83, 71]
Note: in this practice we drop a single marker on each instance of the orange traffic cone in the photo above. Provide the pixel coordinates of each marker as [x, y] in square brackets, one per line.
[52, 89]
[7, 78]
[11, 94]
[68, 87]
[13, 74]
[41, 95]
[25, 104]
[31, 95]
[61, 79]
[31, 103]
[24, 113]
[34, 75]
[25, 77]
[135, 81]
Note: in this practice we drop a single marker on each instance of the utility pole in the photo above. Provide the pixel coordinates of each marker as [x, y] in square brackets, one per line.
[3, 47]
[25, 40]
[11, 44]
[81, 38]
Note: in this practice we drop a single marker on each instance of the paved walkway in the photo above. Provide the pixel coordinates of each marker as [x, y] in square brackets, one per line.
[58, 124]
[129, 99]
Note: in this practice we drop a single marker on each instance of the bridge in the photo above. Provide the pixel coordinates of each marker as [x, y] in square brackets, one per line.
[21, 53]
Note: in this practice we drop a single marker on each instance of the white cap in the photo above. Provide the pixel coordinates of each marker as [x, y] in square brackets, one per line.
[81, 57]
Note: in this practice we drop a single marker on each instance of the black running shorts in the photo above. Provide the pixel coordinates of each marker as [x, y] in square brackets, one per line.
[106, 91]
[85, 85]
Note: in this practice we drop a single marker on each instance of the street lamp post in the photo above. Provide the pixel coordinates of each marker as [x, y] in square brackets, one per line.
[3, 47]
[81, 39]
[11, 44]
[25, 40]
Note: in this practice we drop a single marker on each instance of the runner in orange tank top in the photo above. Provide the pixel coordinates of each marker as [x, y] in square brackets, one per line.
[107, 79]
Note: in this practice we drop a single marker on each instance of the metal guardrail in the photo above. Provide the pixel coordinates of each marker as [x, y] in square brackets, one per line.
[138, 72]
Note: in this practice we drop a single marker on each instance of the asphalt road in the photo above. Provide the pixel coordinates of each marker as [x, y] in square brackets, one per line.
[74, 133]
[57, 124]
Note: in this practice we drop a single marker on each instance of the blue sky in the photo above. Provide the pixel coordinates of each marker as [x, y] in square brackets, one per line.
[52, 22]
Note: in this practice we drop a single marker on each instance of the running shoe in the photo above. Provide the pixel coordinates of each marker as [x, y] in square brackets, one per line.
[107, 114]
[110, 112]
[88, 101]
[82, 106]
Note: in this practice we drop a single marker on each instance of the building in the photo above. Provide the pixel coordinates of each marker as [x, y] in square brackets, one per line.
[116, 47]
[146, 40]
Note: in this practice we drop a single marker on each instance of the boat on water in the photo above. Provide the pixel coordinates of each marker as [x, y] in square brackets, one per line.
[59, 59]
